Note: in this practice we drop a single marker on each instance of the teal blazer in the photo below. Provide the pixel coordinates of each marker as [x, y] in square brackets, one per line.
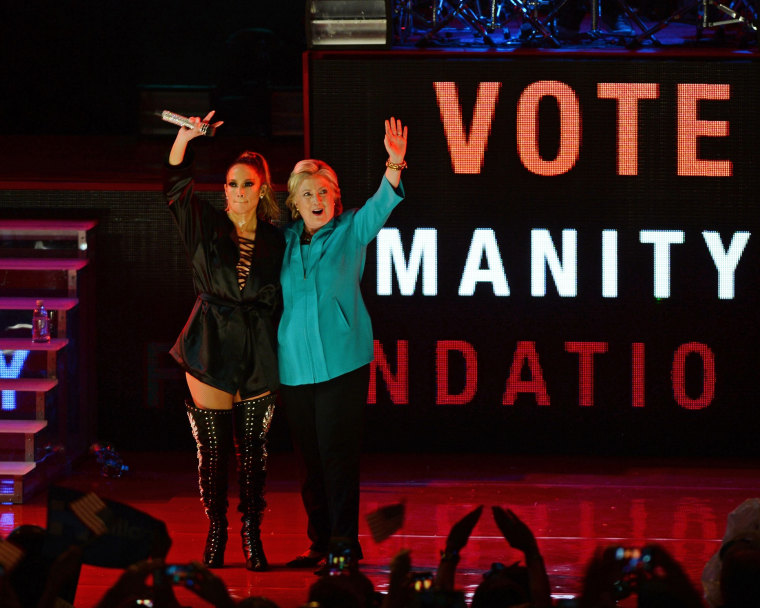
[325, 330]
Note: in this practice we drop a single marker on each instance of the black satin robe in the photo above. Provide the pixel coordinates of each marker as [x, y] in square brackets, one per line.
[230, 338]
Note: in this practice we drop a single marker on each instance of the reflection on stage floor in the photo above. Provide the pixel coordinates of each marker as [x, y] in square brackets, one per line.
[572, 505]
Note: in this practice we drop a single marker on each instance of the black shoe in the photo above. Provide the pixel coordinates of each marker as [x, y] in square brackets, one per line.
[618, 25]
[307, 560]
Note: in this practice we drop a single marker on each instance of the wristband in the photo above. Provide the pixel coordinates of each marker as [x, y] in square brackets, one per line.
[396, 166]
[449, 556]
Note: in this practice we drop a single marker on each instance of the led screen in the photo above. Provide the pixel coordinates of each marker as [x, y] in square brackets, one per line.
[573, 267]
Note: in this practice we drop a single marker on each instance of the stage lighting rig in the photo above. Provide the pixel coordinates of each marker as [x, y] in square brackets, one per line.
[456, 9]
[739, 12]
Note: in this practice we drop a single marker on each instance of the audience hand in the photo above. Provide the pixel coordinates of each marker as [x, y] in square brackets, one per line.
[516, 533]
[209, 587]
[609, 578]
[461, 531]
[130, 586]
[458, 536]
[521, 537]
[399, 590]
[599, 581]
[666, 569]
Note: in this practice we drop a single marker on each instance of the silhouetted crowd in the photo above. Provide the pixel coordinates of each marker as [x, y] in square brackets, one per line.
[31, 578]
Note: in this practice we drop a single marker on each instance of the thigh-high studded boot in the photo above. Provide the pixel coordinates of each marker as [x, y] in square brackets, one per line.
[252, 420]
[212, 430]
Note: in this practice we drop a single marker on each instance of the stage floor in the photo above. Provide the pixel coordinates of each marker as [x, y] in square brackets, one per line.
[572, 505]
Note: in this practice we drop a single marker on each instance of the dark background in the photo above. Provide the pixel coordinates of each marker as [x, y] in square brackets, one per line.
[76, 67]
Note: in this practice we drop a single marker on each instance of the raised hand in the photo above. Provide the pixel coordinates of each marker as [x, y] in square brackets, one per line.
[395, 140]
[132, 583]
[517, 534]
[520, 536]
[210, 587]
[399, 591]
[460, 531]
[599, 581]
[185, 134]
[668, 571]
[457, 539]
[188, 133]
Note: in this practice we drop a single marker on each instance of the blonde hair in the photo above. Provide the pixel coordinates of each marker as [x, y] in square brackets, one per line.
[307, 168]
[268, 209]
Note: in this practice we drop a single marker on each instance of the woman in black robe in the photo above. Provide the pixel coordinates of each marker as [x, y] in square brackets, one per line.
[228, 345]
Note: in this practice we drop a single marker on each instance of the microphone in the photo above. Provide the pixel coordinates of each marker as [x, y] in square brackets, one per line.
[182, 121]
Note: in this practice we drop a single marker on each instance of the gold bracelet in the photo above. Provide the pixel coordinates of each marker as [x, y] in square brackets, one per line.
[395, 166]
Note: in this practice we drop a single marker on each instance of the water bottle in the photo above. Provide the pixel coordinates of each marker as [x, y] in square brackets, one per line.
[40, 323]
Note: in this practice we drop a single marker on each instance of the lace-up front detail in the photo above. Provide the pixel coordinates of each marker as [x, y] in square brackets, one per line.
[244, 263]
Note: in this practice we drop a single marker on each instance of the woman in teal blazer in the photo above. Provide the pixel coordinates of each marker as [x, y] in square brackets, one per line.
[325, 340]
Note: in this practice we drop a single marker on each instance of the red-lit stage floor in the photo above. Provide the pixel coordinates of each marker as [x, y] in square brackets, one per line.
[571, 504]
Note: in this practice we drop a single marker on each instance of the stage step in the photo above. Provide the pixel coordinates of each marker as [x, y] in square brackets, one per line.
[12, 476]
[29, 303]
[57, 307]
[67, 264]
[28, 385]
[39, 238]
[10, 468]
[55, 344]
[39, 386]
[50, 229]
[27, 428]
[20, 481]
[59, 276]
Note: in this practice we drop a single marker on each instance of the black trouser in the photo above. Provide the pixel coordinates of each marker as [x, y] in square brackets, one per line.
[326, 423]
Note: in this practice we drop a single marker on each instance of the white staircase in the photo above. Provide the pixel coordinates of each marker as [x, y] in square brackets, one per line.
[43, 260]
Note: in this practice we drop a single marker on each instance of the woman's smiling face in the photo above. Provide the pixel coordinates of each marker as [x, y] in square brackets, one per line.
[315, 201]
[243, 190]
